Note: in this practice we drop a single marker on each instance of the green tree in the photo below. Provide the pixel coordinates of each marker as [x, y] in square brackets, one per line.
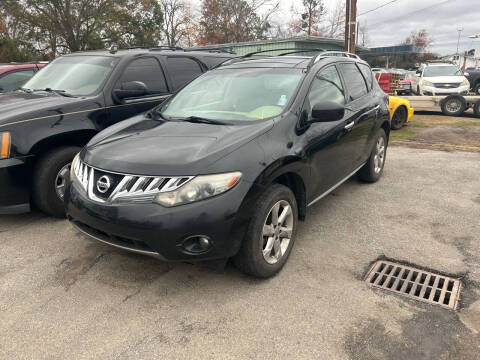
[225, 21]
[59, 26]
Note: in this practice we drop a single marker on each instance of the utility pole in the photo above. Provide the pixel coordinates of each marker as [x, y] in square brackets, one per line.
[459, 29]
[350, 25]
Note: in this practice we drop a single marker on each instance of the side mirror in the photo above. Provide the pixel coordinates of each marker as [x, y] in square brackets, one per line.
[466, 74]
[131, 89]
[327, 111]
[417, 74]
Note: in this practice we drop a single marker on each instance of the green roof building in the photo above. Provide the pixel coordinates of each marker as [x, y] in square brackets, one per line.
[302, 42]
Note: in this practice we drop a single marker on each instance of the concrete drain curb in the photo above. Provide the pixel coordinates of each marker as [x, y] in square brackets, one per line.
[415, 283]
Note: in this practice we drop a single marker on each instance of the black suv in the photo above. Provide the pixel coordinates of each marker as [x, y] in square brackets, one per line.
[227, 166]
[64, 105]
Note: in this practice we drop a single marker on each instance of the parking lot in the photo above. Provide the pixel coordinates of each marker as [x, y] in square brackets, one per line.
[62, 296]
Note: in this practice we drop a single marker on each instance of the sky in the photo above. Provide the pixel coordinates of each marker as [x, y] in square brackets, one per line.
[392, 23]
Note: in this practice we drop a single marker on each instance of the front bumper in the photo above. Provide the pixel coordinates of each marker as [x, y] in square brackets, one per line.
[14, 186]
[431, 90]
[410, 112]
[152, 229]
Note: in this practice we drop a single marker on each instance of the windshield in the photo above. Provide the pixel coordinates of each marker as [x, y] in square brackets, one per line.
[442, 71]
[235, 94]
[76, 75]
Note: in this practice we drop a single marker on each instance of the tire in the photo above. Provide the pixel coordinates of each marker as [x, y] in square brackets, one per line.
[370, 172]
[46, 170]
[399, 118]
[476, 109]
[251, 259]
[453, 105]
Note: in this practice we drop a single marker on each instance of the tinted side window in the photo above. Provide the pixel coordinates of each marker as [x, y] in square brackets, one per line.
[326, 86]
[13, 80]
[182, 70]
[367, 74]
[354, 80]
[148, 71]
[212, 61]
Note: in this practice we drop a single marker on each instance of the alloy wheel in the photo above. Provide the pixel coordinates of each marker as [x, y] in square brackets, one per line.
[277, 231]
[61, 180]
[379, 157]
[453, 105]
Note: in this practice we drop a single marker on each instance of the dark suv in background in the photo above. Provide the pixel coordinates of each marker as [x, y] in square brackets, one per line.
[227, 166]
[48, 121]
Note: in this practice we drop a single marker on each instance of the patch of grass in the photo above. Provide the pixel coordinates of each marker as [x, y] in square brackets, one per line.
[418, 125]
[401, 134]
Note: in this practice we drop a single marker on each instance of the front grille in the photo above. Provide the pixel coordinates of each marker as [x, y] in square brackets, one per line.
[106, 186]
[446, 85]
[415, 283]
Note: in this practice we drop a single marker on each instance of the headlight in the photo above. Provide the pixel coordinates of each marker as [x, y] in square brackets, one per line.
[427, 83]
[465, 82]
[199, 188]
[72, 167]
[5, 143]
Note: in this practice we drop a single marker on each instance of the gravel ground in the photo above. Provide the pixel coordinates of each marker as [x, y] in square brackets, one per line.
[62, 296]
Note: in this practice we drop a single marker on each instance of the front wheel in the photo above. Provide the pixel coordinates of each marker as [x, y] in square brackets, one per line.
[399, 118]
[270, 234]
[373, 168]
[50, 177]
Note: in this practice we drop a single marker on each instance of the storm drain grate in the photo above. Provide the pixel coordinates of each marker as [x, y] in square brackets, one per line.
[415, 283]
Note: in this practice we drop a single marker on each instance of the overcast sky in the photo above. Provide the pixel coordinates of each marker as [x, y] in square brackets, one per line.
[392, 23]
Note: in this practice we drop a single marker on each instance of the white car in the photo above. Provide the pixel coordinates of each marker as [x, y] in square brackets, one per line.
[439, 79]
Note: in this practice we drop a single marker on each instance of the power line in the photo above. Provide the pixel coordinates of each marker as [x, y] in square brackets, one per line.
[402, 16]
[378, 7]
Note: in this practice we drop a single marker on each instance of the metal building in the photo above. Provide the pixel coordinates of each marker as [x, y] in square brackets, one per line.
[302, 42]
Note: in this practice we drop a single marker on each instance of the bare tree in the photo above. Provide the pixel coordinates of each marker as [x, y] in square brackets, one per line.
[335, 23]
[308, 19]
[177, 21]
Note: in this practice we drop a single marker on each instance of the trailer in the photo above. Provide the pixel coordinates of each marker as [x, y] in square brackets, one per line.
[451, 105]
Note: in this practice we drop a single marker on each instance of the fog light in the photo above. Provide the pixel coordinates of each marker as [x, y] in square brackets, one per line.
[197, 244]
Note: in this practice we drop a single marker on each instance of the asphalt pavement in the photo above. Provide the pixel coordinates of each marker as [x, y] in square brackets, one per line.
[65, 297]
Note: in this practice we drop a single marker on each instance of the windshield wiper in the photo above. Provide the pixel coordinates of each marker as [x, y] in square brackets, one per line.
[58, 92]
[200, 120]
[28, 91]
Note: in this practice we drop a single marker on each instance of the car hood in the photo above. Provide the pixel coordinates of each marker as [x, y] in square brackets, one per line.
[145, 146]
[20, 106]
[445, 79]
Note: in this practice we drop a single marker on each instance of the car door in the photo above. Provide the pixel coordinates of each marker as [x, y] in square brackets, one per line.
[149, 71]
[182, 69]
[363, 108]
[327, 156]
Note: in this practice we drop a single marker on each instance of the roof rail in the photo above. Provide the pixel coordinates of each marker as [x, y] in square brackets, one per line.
[337, 53]
[294, 50]
[302, 51]
[223, 51]
[166, 47]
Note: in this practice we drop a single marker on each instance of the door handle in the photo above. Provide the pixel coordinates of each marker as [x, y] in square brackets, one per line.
[350, 125]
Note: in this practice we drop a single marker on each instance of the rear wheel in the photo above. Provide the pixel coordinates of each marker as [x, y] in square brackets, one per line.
[271, 233]
[50, 177]
[373, 168]
[399, 118]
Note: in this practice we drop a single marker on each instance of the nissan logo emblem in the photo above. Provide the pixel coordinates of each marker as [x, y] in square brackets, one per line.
[103, 184]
